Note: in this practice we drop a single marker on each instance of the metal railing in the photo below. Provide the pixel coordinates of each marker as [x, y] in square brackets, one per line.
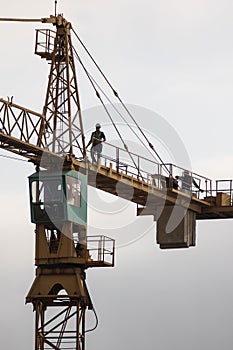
[44, 42]
[224, 192]
[162, 176]
[186, 180]
[130, 164]
[101, 248]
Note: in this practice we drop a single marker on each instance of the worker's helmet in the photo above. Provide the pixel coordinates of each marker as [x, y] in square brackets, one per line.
[98, 125]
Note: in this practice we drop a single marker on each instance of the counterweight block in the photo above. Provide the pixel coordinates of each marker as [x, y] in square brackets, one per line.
[176, 228]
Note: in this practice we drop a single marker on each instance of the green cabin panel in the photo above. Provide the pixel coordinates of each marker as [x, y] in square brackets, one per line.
[58, 197]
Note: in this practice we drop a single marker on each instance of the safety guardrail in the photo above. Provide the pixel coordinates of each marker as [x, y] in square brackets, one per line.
[163, 176]
[101, 248]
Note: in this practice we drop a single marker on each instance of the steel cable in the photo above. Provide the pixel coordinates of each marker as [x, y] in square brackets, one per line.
[106, 110]
[120, 100]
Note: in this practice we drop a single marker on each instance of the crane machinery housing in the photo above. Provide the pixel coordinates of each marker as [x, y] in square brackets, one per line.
[54, 142]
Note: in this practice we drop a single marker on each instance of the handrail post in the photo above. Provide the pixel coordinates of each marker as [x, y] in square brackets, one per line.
[231, 199]
[171, 169]
[113, 254]
[103, 247]
[117, 159]
[211, 193]
[138, 168]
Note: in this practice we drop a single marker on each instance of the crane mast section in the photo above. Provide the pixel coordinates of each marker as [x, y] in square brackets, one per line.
[59, 129]
[62, 105]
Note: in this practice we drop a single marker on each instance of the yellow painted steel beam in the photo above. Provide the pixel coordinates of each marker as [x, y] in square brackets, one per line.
[52, 19]
[105, 178]
[20, 19]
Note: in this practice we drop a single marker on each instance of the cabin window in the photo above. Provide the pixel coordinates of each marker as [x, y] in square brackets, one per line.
[73, 191]
[46, 191]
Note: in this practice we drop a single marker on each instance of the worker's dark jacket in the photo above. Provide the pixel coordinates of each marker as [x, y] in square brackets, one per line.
[97, 137]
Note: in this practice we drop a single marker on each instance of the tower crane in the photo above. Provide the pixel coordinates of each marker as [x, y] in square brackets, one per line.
[54, 141]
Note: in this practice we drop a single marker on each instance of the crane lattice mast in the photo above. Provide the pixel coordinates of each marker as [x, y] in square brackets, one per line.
[58, 195]
[62, 109]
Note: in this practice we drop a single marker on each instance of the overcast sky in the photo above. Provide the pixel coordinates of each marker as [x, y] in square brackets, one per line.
[174, 58]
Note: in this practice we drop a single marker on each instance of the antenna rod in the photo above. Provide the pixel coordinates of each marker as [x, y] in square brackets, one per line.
[55, 8]
[21, 19]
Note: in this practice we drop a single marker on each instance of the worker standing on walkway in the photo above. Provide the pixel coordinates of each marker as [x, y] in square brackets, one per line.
[97, 137]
